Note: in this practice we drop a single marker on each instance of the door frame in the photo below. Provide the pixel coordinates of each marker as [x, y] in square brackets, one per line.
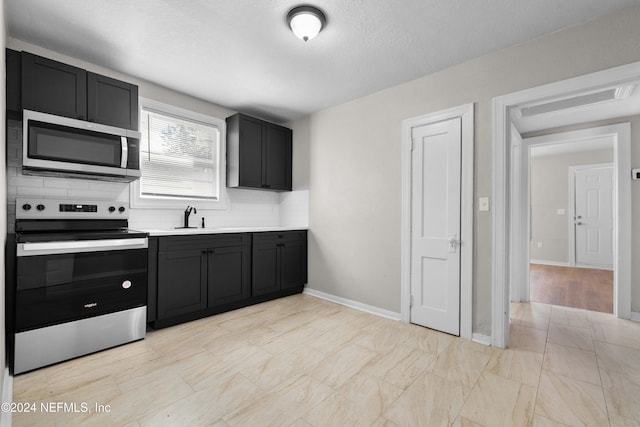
[572, 211]
[503, 234]
[466, 114]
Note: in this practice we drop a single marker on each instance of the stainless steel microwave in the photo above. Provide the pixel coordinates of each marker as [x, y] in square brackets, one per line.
[61, 146]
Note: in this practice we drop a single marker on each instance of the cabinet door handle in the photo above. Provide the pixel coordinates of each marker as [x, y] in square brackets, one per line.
[280, 245]
[265, 186]
[204, 252]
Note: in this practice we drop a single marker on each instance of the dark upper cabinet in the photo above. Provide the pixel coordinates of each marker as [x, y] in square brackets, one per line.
[61, 89]
[277, 157]
[53, 87]
[112, 102]
[14, 89]
[279, 261]
[258, 154]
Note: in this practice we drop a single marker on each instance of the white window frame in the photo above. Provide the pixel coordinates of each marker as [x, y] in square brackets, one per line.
[160, 202]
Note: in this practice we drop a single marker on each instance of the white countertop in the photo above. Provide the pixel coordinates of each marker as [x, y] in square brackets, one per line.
[218, 230]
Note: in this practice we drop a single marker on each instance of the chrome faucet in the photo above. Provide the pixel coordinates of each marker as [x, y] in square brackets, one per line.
[187, 212]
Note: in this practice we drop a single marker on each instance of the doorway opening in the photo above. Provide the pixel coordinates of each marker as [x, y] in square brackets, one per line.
[547, 107]
[572, 220]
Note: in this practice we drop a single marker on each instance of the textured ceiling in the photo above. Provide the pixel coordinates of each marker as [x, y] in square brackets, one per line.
[240, 53]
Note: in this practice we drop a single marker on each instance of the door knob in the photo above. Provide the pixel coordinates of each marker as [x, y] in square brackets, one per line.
[454, 242]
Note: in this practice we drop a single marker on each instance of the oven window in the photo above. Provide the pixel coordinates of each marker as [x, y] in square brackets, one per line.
[53, 142]
[81, 269]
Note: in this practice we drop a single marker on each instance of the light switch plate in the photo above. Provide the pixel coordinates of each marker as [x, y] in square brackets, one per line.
[483, 204]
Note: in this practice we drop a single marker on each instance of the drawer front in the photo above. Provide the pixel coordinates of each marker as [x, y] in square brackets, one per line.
[182, 243]
[269, 237]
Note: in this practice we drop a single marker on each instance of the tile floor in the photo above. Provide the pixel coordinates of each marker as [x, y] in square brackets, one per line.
[301, 361]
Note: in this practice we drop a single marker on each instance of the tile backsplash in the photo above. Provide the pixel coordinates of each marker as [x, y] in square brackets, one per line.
[245, 207]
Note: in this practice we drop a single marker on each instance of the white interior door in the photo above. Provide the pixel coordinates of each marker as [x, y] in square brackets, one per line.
[435, 225]
[593, 219]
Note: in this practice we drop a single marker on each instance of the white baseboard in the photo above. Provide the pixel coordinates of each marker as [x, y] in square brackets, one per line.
[481, 339]
[635, 316]
[567, 264]
[545, 262]
[353, 304]
[7, 397]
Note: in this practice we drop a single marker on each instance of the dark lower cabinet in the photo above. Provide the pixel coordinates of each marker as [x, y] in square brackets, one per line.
[152, 279]
[182, 282]
[293, 264]
[228, 275]
[279, 261]
[264, 268]
[201, 275]
[198, 273]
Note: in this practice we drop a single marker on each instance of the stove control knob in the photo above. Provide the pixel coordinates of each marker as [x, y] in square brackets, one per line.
[126, 284]
[40, 207]
[26, 207]
[121, 209]
[112, 208]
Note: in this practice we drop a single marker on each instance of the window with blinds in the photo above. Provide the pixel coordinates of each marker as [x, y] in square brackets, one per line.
[179, 157]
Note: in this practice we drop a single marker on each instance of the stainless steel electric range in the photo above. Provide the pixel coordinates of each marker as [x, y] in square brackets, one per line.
[80, 280]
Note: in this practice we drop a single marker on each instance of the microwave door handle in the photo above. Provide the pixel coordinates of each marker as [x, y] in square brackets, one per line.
[125, 152]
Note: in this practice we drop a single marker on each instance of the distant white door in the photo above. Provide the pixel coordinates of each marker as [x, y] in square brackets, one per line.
[593, 219]
[435, 226]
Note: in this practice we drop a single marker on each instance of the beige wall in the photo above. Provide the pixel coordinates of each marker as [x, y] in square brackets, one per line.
[550, 192]
[355, 159]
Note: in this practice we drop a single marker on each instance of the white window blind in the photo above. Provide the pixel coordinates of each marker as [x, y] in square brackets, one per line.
[179, 157]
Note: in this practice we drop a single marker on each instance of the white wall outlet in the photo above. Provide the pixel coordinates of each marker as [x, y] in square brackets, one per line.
[539, 244]
[560, 211]
[483, 204]
[635, 174]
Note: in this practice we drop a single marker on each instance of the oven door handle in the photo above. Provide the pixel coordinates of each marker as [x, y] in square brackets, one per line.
[76, 246]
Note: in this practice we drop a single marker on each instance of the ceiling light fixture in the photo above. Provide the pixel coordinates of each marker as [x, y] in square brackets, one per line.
[306, 21]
